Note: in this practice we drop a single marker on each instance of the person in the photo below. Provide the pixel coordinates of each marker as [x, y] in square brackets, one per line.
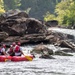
[18, 50]
[14, 45]
[10, 51]
[2, 49]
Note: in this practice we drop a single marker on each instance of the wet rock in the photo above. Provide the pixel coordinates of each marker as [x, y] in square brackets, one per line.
[61, 53]
[46, 56]
[56, 37]
[41, 49]
[66, 43]
[67, 50]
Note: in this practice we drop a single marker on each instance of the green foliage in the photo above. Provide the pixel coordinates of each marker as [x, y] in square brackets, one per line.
[28, 10]
[39, 7]
[66, 12]
[1, 7]
[35, 8]
[49, 16]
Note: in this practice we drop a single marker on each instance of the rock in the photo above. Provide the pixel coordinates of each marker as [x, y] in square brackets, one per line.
[56, 37]
[22, 26]
[13, 14]
[66, 43]
[46, 57]
[61, 53]
[41, 49]
[3, 35]
[35, 26]
[67, 50]
[52, 23]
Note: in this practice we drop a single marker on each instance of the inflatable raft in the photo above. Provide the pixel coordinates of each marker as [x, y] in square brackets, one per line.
[16, 58]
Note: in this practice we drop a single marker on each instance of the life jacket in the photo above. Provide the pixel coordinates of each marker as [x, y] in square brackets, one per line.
[11, 50]
[17, 48]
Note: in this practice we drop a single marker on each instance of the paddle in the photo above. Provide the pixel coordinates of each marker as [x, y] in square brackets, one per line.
[28, 57]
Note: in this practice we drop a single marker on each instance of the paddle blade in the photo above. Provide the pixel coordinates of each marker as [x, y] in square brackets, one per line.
[29, 58]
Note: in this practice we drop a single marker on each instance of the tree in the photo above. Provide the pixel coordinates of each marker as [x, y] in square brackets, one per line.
[49, 16]
[65, 11]
[13, 4]
[1, 7]
[39, 7]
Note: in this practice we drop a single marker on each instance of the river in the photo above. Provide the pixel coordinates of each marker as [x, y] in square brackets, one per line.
[61, 65]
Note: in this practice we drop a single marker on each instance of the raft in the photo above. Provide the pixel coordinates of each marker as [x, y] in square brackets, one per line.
[16, 58]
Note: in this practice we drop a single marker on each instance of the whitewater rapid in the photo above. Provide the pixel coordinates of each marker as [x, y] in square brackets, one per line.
[61, 65]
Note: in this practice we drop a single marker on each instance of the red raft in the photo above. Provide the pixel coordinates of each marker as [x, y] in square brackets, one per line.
[16, 58]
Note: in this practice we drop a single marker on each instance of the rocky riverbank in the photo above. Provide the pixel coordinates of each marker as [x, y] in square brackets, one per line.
[16, 25]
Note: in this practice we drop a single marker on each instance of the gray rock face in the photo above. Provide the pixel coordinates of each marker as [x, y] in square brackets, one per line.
[3, 35]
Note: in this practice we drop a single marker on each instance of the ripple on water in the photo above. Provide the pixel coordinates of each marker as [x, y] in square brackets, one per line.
[62, 65]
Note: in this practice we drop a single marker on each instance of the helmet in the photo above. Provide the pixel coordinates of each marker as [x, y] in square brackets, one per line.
[19, 43]
[4, 45]
[13, 43]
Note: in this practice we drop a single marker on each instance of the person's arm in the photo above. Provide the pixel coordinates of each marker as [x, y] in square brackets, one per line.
[7, 52]
[4, 52]
[21, 51]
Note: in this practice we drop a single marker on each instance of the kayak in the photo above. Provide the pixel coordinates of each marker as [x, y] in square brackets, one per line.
[16, 58]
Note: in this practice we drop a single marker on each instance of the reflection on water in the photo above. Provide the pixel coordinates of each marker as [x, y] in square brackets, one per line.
[62, 65]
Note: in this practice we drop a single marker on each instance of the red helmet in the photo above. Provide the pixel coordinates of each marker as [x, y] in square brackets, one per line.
[13, 43]
[19, 43]
[4, 45]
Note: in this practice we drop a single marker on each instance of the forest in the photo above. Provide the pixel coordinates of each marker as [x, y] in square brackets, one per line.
[61, 10]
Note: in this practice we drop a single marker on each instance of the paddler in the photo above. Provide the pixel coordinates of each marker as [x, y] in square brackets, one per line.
[2, 49]
[18, 50]
[10, 51]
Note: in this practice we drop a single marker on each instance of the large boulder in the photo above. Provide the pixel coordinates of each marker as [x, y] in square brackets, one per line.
[22, 26]
[35, 26]
[14, 14]
[68, 44]
[41, 49]
[52, 23]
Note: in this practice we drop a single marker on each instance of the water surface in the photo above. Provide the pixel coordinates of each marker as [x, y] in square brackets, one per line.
[62, 65]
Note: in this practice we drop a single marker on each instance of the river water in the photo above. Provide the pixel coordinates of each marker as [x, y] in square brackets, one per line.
[61, 65]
